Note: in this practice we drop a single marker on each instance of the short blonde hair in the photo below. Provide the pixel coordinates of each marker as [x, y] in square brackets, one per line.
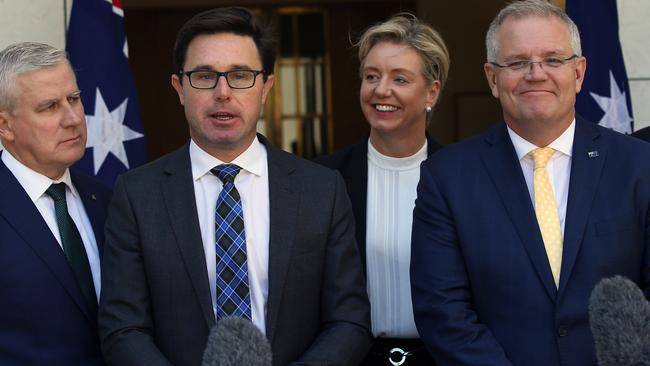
[406, 28]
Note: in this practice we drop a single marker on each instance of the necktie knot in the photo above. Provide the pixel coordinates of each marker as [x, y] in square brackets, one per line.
[56, 191]
[226, 172]
[541, 156]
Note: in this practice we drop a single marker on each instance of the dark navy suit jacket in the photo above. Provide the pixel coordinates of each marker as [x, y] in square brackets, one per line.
[44, 319]
[483, 293]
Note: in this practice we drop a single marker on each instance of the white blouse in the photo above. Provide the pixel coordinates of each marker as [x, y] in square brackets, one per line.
[392, 184]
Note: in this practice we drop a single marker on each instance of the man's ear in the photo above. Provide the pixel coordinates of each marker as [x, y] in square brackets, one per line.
[6, 132]
[581, 67]
[178, 86]
[268, 84]
[491, 77]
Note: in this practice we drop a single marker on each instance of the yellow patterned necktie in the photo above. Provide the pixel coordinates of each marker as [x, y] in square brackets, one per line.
[546, 211]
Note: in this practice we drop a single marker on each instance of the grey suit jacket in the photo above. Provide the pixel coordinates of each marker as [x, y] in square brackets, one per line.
[155, 306]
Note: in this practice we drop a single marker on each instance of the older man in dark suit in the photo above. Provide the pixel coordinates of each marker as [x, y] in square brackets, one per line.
[514, 228]
[51, 219]
[229, 225]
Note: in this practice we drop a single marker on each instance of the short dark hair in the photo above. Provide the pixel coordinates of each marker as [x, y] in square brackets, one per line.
[236, 20]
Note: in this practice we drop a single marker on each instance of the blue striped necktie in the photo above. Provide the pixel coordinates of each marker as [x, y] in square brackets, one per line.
[233, 293]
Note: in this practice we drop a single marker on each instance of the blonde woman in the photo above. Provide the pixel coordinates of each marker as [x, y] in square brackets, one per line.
[404, 66]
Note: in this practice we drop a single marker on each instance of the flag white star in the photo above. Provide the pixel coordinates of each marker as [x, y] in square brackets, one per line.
[107, 132]
[617, 116]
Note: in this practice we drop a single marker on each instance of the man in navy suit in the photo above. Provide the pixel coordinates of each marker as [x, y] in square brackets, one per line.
[507, 247]
[51, 220]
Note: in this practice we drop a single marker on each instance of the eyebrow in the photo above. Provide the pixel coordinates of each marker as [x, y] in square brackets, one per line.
[545, 54]
[47, 102]
[392, 71]
[232, 67]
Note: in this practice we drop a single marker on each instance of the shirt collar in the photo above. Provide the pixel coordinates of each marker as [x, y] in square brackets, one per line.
[34, 183]
[392, 163]
[251, 160]
[563, 144]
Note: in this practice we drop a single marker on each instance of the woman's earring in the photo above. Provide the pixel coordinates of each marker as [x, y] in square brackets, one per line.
[428, 109]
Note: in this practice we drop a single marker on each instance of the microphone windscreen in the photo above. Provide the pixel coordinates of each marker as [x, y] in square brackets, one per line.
[619, 316]
[236, 341]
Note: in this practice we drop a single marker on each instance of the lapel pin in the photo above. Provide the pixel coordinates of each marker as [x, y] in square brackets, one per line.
[592, 154]
[93, 197]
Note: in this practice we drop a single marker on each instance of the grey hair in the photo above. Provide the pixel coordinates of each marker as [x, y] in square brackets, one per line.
[405, 28]
[525, 9]
[19, 58]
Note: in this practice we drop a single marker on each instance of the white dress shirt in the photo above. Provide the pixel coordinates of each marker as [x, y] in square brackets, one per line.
[35, 184]
[392, 189]
[252, 183]
[558, 167]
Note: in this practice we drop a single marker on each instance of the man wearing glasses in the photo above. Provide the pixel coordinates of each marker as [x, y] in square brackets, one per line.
[514, 228]
[229, 225]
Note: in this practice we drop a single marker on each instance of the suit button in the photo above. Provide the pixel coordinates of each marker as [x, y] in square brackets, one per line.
[562, 331]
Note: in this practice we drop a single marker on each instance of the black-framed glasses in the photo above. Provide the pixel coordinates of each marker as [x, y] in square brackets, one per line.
[547, 64]
[208, 79]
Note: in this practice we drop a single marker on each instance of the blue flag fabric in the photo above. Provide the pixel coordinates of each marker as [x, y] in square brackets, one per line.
[605, 94]
[98, 51]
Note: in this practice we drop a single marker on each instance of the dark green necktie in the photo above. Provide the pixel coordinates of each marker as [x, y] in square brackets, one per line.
[73, 245]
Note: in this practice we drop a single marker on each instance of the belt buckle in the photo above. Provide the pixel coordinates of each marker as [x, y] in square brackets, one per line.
[400, 353]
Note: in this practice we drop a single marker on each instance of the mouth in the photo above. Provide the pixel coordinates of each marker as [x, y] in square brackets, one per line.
[72, 140]
[385, 107]
[536, 92]
[222, 116]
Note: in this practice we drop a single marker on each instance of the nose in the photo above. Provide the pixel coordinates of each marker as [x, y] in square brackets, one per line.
[222, 89]
[536, 71]
[74, 114]
[383, 88]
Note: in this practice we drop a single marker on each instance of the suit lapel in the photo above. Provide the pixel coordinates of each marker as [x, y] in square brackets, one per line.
[504, 169]
[587, 162]
[355, 175]
[20, 212]
[283, 211]
[178, 194]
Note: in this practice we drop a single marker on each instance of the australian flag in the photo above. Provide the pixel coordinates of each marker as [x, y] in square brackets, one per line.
[98, 51]
[605, 94]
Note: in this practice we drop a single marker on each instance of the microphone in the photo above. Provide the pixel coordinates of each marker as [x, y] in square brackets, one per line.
[619, 315]
[236, 341]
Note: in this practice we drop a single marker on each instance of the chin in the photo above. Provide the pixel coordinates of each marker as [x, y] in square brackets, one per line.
[386, 125]
[69, 156]
[536, 114]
